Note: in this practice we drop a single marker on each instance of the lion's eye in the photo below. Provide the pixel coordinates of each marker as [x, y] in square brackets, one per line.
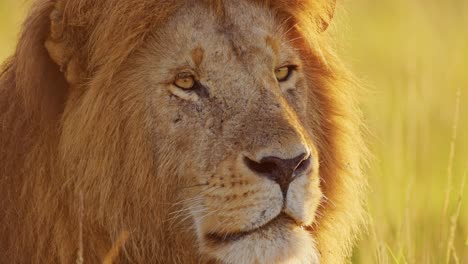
[283, 73]
[185, 81]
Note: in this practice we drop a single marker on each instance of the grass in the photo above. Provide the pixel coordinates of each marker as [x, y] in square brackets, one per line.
[12, 13]
[412, 55]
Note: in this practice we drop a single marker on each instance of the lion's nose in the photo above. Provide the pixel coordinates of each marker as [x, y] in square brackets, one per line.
[280, 170]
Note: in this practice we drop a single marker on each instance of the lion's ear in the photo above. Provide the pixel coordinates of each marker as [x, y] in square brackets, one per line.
[314, 14]
[327, 16]
[60, 52]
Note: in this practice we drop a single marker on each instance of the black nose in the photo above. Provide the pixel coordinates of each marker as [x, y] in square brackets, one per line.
[280, 170]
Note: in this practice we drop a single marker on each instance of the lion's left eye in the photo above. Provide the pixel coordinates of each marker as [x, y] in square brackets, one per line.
[185, 81]
[283, 73]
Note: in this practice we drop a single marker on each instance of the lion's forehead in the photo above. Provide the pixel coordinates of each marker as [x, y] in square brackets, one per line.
[245, 34]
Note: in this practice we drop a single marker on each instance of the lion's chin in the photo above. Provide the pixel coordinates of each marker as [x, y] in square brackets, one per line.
[279, 241]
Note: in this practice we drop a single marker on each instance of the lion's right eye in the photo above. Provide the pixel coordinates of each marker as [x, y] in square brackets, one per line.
[283, 73]
[185, 81]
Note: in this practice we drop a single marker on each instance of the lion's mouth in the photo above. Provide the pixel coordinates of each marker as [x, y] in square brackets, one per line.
[235, 236]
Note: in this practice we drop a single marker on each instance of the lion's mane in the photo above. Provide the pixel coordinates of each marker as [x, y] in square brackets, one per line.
[76, 171]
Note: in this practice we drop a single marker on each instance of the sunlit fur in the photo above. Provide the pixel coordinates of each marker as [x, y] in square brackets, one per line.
[96, 140]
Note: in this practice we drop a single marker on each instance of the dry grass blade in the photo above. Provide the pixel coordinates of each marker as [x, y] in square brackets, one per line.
[115, 250]
[79, 258]
[453, 226]
[452, 152]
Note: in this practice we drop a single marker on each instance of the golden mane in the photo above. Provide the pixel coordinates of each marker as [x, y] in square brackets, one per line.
[40, 131]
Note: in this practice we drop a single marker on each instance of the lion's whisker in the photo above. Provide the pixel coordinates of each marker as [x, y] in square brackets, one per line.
[185, 212]
[182, 210]
[290, 29]
[188, 200]
[192, 186]
[289, 41]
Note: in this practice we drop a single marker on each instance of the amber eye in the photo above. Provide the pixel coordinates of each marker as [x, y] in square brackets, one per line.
[283, 73]
[185, 81]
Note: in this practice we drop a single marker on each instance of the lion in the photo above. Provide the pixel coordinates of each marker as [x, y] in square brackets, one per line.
[205, 131]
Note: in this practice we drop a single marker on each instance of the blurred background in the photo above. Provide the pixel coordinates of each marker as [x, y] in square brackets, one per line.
[412, 59]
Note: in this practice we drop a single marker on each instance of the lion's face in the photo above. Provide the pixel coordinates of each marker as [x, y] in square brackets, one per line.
[227, 100]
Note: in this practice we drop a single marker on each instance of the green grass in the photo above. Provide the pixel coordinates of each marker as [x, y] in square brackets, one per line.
[412, 56]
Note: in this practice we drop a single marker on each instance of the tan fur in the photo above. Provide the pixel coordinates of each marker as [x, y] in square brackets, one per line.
[97, 142]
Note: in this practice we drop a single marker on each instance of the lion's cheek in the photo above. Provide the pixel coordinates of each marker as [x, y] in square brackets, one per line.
[302, 200]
